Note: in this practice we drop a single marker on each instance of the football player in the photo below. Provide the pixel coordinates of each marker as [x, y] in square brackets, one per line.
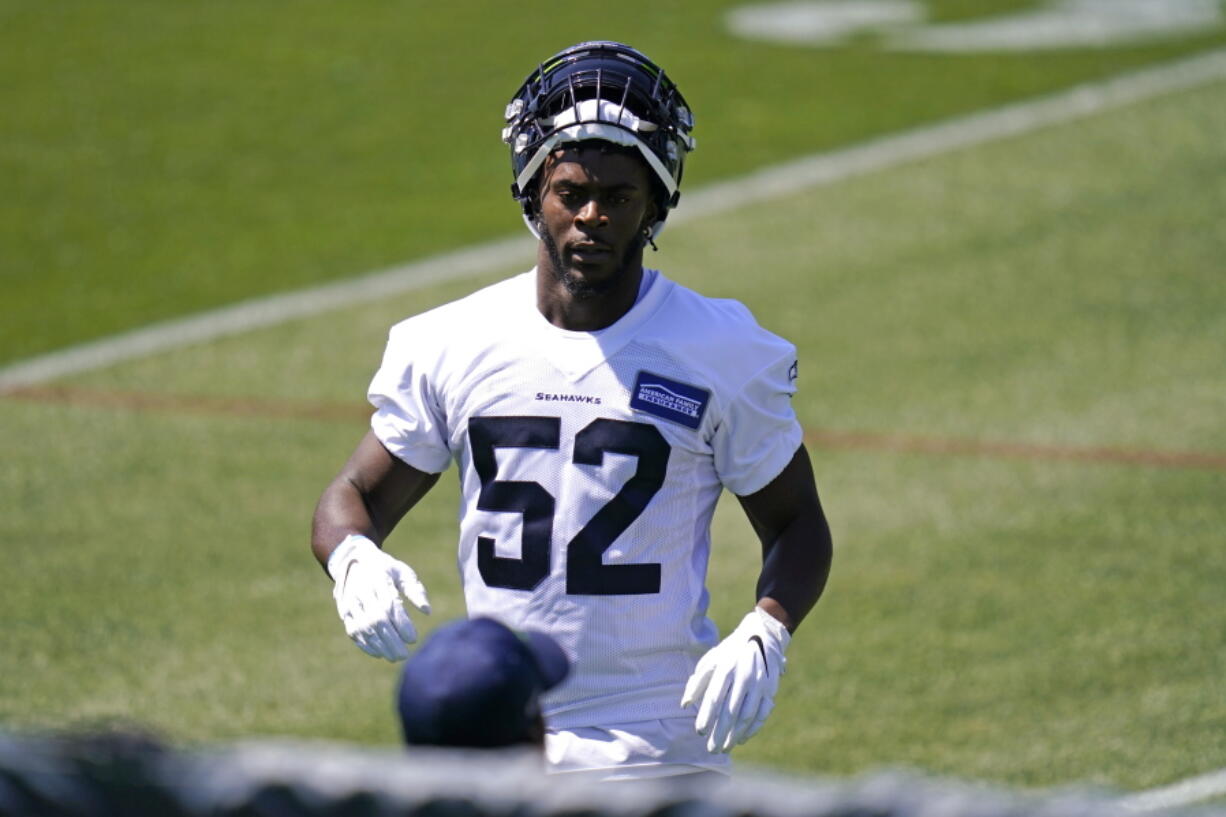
[595, 410]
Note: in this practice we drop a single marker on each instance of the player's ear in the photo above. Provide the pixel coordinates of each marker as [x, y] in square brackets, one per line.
[650, 216]
[532, 204]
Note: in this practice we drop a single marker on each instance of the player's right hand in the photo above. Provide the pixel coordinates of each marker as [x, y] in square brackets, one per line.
[369, 584]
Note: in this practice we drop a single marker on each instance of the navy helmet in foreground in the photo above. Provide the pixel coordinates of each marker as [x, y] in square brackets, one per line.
[599, 91]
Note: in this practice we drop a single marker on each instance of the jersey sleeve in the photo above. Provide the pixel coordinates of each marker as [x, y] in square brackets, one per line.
[758, 433]
[408, 417]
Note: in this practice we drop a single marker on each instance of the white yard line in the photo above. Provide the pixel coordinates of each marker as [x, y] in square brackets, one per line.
[1183, 793]
[770, 183]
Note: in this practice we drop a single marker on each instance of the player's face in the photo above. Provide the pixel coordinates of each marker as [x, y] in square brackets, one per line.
[594, 206]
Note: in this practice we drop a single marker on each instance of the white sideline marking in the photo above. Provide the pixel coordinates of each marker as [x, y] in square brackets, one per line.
[1185, 792]
[773, 182]
[1067, 24]
[262, 312]
[902, 24]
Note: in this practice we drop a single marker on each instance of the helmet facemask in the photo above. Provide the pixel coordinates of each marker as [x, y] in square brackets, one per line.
[601, 91]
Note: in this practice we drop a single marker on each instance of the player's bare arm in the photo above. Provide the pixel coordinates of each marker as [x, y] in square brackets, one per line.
[734, 684]
[368, 497]
[354, 515]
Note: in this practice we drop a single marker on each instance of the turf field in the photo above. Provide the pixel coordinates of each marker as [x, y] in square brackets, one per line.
[157, 158]
[1012, 381]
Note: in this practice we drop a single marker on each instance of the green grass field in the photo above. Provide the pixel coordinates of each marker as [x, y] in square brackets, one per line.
[1040, 615]
[158, 158]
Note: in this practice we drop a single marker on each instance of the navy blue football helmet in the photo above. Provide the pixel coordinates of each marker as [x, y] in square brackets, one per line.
[599, 90]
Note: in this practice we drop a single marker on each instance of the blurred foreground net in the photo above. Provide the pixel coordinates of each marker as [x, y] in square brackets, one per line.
[129, 774]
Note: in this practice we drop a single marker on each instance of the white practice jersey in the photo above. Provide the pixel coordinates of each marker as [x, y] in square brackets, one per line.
[590, 465]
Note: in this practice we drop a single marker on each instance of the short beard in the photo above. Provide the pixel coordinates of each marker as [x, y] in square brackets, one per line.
[582, 290]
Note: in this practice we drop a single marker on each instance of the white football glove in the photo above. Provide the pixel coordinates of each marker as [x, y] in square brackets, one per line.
[734, 684]
[367, 592]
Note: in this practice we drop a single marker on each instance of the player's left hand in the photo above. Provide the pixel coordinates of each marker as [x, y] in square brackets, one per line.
[734, 684]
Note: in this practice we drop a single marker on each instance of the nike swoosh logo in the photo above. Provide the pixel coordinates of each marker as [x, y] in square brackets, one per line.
[762, 649]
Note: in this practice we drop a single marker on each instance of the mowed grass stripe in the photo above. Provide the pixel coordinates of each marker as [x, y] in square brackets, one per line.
[754, 189]
[851, 440]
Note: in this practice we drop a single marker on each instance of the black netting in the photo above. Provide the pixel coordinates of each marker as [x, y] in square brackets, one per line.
[132, 775]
